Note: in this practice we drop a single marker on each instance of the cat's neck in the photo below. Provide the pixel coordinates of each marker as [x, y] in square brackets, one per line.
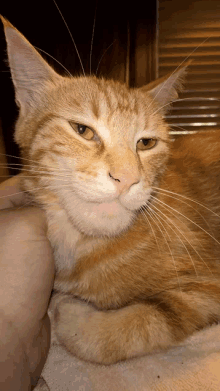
[62, 231]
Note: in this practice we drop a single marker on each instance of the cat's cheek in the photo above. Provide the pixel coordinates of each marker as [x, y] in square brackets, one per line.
[136, 197]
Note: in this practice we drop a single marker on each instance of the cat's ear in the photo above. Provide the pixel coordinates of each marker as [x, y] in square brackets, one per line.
[30, 72]
[166, 89]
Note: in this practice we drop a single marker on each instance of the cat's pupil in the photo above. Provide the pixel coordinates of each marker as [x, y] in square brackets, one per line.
[145, 141]
[81, 128]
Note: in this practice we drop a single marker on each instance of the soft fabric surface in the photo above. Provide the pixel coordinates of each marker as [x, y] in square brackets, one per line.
[195, 365]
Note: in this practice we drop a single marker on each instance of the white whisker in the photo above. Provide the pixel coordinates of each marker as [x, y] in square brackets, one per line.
[178, 68]
[190, 199]
[186, 203]
[103, 55]
[167, 206]
[71, 37]
[34, 172]
[177, 235]
[93, 31]
[19, 192]
[17, 157]
[173, 260]
[143, 210]
[58, 62]
[176, 100]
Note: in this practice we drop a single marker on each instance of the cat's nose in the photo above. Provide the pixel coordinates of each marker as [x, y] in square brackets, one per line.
[124, 179]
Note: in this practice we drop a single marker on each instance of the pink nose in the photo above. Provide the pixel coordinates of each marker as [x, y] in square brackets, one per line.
[124, 179]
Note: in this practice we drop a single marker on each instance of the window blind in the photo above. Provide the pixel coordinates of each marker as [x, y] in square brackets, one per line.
[192, 30]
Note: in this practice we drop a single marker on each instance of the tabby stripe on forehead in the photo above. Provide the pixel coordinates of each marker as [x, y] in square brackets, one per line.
[95, 109]
[44, 121]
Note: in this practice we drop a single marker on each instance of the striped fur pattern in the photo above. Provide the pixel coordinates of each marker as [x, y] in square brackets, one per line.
[132, 216]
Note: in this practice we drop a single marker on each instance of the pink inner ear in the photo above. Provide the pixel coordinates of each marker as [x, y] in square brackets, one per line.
[29, 70]
[166, 89]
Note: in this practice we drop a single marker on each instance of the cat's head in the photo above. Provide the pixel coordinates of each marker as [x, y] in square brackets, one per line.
[94, 146]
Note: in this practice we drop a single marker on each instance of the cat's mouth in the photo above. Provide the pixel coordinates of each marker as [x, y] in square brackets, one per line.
[113, 209]
[106, 214]
[132, 200]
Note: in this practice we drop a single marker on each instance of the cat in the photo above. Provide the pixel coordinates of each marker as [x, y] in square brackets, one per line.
[133, 216]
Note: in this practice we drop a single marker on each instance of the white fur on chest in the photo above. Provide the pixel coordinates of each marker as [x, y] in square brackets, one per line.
[63, 237]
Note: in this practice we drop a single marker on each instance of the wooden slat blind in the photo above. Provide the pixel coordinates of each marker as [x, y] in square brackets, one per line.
[192, 28]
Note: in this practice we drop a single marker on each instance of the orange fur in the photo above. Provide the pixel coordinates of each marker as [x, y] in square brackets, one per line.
[135, 232]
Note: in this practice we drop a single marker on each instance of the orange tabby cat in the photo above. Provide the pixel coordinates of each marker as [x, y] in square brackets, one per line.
[132, 216]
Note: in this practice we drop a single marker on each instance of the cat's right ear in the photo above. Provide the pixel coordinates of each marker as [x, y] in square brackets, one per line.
[30, 72]
[165, 90]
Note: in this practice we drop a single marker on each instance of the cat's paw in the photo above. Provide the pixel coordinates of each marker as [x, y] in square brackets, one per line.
[86, 332]
[74, 328]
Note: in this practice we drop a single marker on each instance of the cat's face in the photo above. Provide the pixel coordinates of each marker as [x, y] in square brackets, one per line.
[96, 146]
[101, 171]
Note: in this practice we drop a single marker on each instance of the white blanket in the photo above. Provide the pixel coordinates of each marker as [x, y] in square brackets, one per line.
[194, 365]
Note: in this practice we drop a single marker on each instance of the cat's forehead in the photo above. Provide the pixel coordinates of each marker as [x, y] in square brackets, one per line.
[103, 93]
[107, 103]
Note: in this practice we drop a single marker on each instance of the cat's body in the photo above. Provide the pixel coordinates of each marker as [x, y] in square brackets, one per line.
[135, 259]
[132, 215]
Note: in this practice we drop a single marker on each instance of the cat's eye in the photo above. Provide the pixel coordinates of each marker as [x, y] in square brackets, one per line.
[83, 130]
[146, 143]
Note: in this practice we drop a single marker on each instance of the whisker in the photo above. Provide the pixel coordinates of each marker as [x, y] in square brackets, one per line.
[178, 100]
[177, 235]
[172, 130]
[26, 167]
[71, 37]
[144, 213]
[17, 157]
[37, 170]
[58, 178]
[93, 31]
[187, 198]
[58, 62]
[45, 186]
[178, 68]
[44, 170]
[186, 203]
[33, 170]
[174, 263]
[24, 205]
[104, 55]
[19, 192]
[16, 207]
[11, 164]
[156, 200]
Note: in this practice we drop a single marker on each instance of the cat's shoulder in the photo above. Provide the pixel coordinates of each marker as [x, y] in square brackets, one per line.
[204, 146]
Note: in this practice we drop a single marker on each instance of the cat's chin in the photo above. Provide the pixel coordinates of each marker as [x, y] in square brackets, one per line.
[104, 219]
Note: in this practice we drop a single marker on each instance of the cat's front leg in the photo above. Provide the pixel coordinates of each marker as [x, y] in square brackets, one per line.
[109, 336]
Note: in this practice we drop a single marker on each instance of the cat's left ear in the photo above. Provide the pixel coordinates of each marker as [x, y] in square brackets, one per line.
[165, 90]
[30, 72]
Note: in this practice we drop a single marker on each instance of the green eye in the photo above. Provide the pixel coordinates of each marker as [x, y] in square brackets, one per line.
[83, 130]
[146, 143]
